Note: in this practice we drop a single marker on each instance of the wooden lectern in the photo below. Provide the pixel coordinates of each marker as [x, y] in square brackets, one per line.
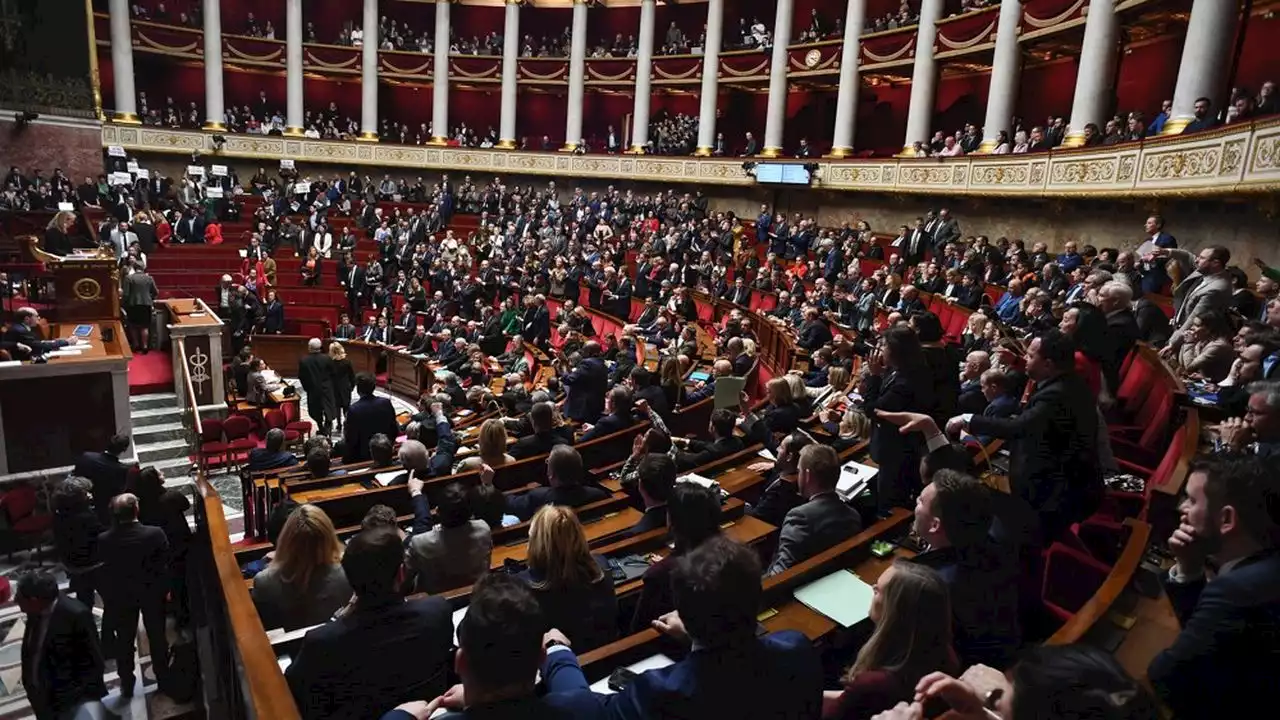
[86, 285]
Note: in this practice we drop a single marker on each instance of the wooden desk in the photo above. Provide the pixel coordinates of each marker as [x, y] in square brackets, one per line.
[281, 352]
[52, 411]
[363, 356]
[406, 374]
[596, 530]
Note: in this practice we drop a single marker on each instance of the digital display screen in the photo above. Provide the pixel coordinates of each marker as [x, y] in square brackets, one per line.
[782, 173]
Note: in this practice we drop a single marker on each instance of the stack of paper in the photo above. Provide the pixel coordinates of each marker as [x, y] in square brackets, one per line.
[384, 479]
[697, 479]
[841, 596]
[654, 662]
[854, 479]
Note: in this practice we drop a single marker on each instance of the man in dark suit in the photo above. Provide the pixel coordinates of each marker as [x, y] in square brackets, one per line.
[61, 661]
[133, 580]
[717, 591]
[820, 522]
[383, 651]
[618, 414]
[815, 332]
[1154, 274]
[501, 648]
[971, 399]
[544, 435]
[352, 280]
[1225, 657]
[697, 453]
[954, 516]
[1054, 466]
[564, 475]
[23, 331]
[657, 480]
[107, 474]
[368, 416]
[585, 386]
[1115, 300]
[315, 372]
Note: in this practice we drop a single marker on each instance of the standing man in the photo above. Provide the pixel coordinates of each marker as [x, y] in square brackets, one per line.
[107, 474]
[1206, 289]
[61, 660]
[315, 371]
[368, 416]
[135, 577]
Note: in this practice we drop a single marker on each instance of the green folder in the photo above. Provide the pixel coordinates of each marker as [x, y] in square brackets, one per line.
[841, 596]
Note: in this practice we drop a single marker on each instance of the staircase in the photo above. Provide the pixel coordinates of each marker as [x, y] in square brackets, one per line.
[159, 437]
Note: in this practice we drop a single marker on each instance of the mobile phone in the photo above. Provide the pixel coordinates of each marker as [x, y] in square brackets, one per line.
[620, 678]
[881, 548]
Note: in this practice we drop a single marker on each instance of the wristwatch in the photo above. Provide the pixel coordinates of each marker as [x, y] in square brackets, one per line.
[553, 643]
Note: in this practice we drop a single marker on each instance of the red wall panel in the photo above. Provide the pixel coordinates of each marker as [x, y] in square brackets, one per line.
[1046, 90]
[476, 108]
[1147, 76]
[539, 114]
[1259, 60]
[600, 110]
[882, 118]
[960, 100]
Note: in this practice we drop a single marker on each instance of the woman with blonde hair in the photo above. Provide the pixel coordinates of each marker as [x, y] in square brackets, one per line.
[492, 447]
[304, 584]
[57, 239]
[574, 586]
[911, 610]
[672, 381]
[344, 380]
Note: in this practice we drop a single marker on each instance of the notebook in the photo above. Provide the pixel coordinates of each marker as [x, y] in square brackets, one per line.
[841, 596]
[729, 392]
[699, 376]
[654, 662]
[855, 478]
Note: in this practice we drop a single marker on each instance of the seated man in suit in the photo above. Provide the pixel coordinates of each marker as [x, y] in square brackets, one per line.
[645, 387]
[419, 344]
[820, 522]
[997, 390]
[368, 416]
[971, 399]
[702, 391]
[731, 673]
[657, 480]
[22, 334]
[501, 649]
[345, 330]
[544, 436]
[782, 493]
[384, 650]
[64, 672]
[565, 486]
[954, 515]
[697, 453]
[618, 415]
[1223, 659]
[273, 455]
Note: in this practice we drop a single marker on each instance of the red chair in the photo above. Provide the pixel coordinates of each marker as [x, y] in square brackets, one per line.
[25, 527]
[1071, 578]
[212, 446]
[238, 429]
[275, 419]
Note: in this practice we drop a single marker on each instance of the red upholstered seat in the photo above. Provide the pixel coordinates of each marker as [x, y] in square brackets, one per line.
[26, 525]
[212, 445]
[1071, 577]
[238, 430]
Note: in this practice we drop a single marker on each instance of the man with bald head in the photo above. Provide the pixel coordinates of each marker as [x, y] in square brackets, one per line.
[585, 385]
[133, 579]
[971, 398]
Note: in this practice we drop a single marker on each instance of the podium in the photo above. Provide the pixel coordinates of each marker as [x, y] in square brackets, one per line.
[86, 285]
[406, 374]
[195, 342]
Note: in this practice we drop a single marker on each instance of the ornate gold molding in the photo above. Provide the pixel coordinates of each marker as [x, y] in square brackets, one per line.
[1230, 160]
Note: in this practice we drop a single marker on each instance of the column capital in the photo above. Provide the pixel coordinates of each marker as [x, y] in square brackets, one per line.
[1175, 126]
[293, 131]
[126, 118]
[370, 137]
[839, 153]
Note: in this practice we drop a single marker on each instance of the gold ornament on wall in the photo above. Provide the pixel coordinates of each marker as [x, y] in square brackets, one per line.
[87, 289]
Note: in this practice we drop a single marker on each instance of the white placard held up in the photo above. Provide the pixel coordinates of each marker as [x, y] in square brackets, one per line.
[286, 164]
[121, 178]
[131, 166]
[213, 191]
[195, 170]
[302, 188]
[219, 171]
[115, 151]
[142, 173]
[66, 207]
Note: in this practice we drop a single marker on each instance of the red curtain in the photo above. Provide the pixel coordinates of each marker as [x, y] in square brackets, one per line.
[1258, 56]
[1046, 90]
[961, 99]
[882, 118]
[1147, 76]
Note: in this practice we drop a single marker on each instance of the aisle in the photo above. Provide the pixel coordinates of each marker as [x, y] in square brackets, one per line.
[151, 373]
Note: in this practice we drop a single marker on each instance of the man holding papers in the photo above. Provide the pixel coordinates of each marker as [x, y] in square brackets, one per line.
[823, 520]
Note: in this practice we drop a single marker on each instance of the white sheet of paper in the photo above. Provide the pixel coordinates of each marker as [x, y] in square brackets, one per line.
[457, 620]
[384, 479]
[9, 363]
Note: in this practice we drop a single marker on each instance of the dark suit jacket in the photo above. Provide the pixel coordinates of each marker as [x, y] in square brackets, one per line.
[372, 659]
[983, 583]
[70, 668]
[134, 563]
[538, 444]
[1224, 659]
[654, 518]
[587, 614]
[776, 676]
[971, 399]
[585, 387]
[1054, 464]
[895, 453]
[812, 527]
[700, 453]
[1123, 333]
[524, 505]
[367, 417]
[108, 476]
[315, 372]
[813, 335]
[608, 424]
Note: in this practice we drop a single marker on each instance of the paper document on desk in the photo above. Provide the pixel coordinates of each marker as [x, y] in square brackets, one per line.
[854, 478]
[64, 352]
[384, 479]
[729, 391]
[457, 620]
[764, 453]
[841, 596]
[654, 662]
[697, 479]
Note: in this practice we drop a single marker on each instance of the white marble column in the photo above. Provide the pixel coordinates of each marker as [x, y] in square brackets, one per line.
[1006, 68]
[510, 93]
[924, 76]
[644, 77]
[440, 77]
[214, 116]
[710, 79]
[126, 100]
[577, 77]
[1205, 52]
[847, 96]
[776, 112]
[293, 68]
[369, 74]
[1098, 55]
